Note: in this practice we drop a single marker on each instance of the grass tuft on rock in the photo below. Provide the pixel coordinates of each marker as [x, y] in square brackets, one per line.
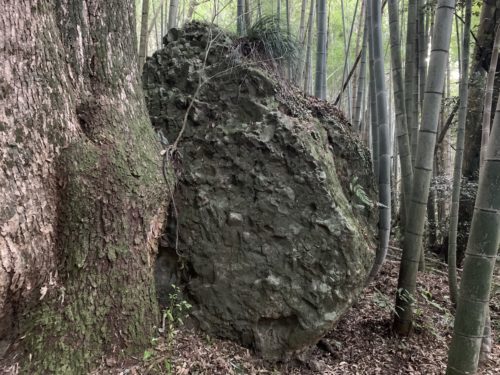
[267, 36]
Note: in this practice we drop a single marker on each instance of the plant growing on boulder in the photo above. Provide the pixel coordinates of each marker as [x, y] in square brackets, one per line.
[274, 250]
[271, 40]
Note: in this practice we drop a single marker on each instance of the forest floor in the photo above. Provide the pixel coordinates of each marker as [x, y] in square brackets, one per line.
[361, 343]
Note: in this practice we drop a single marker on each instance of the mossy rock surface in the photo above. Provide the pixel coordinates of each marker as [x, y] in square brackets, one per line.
[275, 243]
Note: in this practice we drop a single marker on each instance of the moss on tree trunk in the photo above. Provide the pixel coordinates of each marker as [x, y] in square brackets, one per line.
[86, 172]
[104, 301]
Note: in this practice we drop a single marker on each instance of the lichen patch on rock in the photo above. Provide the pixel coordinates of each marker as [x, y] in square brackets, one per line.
[273, 241]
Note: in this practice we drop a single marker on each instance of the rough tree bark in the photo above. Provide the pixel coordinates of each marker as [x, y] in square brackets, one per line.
[80, 184]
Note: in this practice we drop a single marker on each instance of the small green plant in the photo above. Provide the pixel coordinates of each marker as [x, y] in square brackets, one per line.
[384, 302]
[174, 314]
[427, 296]
[147, 355]
[172, 318]
[267, 35]
[168, 366]
[405, 296]
[208, 340]
[360, 193]
[446, 316]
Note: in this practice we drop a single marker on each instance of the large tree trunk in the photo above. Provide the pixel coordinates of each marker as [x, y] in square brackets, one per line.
[80, 184]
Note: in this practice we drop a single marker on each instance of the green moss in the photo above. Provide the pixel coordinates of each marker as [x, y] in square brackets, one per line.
[100, 295]
[81, 334]
[78, 209]
[19, 135]
[114, 251]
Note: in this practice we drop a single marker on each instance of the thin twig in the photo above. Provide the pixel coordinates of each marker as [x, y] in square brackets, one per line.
[200, 85]
[348, 78]
[471, 33]
[448, 123]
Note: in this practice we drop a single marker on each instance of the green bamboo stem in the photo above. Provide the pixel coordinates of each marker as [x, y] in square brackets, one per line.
[479, 264]
[410, 67]
[320, 82]
[459, 156]
[423, 167]
[384, 141]
[399, 103]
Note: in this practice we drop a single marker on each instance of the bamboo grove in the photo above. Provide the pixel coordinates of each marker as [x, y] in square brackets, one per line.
[416, 79]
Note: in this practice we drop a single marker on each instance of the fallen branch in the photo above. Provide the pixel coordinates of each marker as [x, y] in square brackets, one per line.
[344, 86]
[448, 123]
[348, 78]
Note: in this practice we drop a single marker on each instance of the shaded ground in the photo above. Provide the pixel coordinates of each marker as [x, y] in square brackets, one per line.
[362, 342]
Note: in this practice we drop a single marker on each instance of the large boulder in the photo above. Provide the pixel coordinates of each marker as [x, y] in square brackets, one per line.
[274, 208]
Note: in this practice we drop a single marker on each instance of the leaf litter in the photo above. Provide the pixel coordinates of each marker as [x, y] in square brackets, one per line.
[361, 343]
